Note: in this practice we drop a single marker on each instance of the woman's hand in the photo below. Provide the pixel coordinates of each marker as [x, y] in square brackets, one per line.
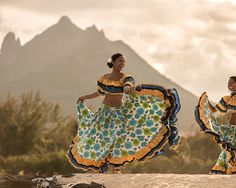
[128, 89]
[82, 99]
[212, 108]
[90, 96]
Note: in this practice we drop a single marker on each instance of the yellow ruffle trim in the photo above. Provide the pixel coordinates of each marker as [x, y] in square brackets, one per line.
[231, 169]
[221, 107]
[201, 110]
[230, 100]
[129, 83]
[81, 168]
[144, 151]
[122, 160]
[118, 83]
[104, 80]
[81, 160]
[125, 76]
[219, 168]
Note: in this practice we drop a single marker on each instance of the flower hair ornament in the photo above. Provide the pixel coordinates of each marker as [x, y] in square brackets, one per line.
[109, 60]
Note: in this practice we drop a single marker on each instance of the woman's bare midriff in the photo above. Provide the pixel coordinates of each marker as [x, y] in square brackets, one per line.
[113, 100]
[233, 119]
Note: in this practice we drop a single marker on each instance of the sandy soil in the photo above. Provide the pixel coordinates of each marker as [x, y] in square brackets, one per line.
[128, 181]
[151, 180]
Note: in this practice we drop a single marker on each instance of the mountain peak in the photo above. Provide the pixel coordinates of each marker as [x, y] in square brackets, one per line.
[93, 30]
[65, 23]
[61, 30]
[18, 41]
[10, 36]
[64, 20]
[9, 48]
[10, 41]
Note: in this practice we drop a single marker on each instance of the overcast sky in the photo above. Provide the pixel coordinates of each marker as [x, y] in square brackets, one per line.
[192, 42]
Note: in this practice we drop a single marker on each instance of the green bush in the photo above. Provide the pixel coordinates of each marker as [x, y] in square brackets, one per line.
[31, 124]
[46, 164]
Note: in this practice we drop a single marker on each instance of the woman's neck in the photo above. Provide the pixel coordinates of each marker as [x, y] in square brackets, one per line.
[115, 73]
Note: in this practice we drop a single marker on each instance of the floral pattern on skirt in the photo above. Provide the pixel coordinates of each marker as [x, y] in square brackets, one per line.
[224, 135]
[139, 129]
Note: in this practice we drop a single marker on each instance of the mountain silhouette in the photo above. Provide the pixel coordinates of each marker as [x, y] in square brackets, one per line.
[64, 62]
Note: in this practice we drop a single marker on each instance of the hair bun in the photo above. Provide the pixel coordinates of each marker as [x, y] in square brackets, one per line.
[113, 58]
[109, 60]
[109, 64]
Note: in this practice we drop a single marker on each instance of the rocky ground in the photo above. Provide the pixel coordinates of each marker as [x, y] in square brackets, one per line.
[123, 181]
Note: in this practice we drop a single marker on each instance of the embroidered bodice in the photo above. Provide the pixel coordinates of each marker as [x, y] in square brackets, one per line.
[114, 87]
[227, 103]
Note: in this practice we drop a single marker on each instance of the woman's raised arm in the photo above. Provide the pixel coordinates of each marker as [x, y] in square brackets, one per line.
[90, 96]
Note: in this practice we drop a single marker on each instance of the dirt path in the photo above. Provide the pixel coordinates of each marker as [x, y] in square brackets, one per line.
[151, 180]
[128, 181]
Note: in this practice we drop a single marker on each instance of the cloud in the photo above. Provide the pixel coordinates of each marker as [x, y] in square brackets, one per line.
[55, 6]
[203, 67]
[201, 53]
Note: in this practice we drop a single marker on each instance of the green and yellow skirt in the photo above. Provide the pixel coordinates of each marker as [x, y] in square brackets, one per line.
[223, 134]
[137, 130]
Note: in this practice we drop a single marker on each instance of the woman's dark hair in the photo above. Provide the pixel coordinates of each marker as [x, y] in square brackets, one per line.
[233, 77]
[113, 58]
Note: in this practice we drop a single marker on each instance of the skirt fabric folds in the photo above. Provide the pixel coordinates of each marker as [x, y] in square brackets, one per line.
[139, 129]
[224, 135]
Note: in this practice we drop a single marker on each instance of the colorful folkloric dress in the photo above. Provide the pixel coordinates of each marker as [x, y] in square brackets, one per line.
[223, 132]
[139, 129]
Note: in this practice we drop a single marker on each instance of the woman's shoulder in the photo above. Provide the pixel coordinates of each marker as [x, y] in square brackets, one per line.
[105, 80]
[107, 76]
[229, 100]
[102, 77]
[226, 97]
[126, 76]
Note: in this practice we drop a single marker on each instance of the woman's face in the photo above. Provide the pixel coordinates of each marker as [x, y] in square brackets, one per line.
[119, 63]
[232, 85]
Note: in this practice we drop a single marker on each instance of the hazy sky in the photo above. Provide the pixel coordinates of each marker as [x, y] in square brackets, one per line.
[192, 42]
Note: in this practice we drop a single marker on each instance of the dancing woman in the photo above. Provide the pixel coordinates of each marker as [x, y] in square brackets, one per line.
[224, 132]
[121, 132]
